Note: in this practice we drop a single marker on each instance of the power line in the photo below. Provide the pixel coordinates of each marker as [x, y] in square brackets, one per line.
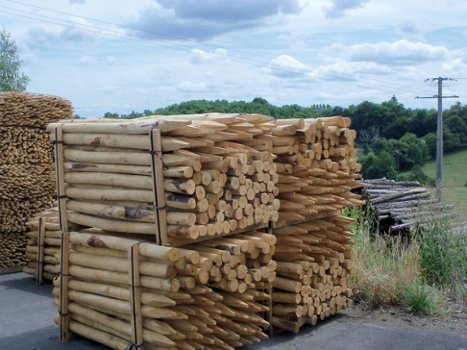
[396, 89]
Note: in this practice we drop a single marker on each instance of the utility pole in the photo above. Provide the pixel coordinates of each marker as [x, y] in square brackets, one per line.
[439, 132]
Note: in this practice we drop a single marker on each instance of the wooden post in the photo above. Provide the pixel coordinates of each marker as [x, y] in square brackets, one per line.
[270, 314]
[65, 237]
[135, 297]
[40, 252]
[158, 186]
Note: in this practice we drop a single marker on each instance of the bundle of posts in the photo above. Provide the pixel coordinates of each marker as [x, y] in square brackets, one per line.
[186, 178]
[122, 292]
[316, 162]
[27, 180]
[313, 259]
[43, 245]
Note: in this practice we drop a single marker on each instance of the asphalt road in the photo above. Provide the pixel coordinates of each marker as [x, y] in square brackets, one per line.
[26, 323]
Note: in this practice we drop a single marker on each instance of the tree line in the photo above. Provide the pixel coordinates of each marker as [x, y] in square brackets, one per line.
[391, 137]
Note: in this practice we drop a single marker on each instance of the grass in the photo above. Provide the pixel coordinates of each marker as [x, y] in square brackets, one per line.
[443, 260]
[421, 299]
[383, 269]
[388, 271]
[454, 179]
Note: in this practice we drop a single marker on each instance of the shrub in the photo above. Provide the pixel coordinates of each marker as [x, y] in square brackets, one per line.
[417, 174]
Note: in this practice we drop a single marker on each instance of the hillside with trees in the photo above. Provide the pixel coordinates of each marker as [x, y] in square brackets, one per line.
[391, 137]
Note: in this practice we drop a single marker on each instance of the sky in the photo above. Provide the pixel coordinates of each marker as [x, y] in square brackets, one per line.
[119, 56]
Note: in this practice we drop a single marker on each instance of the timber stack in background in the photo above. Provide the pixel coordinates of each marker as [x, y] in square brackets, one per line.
[399, 206]
[228, 223]
[27, 180]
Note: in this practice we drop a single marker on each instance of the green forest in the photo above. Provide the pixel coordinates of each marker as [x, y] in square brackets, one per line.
[391, 138]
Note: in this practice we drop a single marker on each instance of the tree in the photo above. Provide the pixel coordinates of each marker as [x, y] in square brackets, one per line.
[378, 166]
[10, 77]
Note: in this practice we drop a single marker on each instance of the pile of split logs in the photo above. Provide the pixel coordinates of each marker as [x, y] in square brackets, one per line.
[229, 223]
[398, 205]
[27, 180]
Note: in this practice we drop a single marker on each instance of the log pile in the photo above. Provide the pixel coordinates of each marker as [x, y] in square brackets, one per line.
[317, 167]
[142, 189]
[196, 180]
[12, 250]
[316, 162]
[314, 259]
[124, 291]
[399, 205]
[43, 245]
[27, 180]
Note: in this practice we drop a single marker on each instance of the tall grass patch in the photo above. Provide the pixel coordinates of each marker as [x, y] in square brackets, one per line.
[443, 259]
[384, 267]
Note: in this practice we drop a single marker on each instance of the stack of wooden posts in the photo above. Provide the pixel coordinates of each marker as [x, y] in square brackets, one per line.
[210, 183]
[317, 167]
[314, 260]
[316, 162]
[43, 245]
[27, 180]
[398, 205]
[127, 291]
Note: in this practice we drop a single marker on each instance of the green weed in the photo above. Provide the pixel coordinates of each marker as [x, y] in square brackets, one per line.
[421, 299]
[443, 259]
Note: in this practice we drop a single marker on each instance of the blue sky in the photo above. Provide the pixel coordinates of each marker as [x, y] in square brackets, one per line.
[120, 55]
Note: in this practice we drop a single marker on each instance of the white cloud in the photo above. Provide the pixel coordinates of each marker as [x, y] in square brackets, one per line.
[202, 56]
[288, 67]
[52, 35]
[402, 52]
[454, 66]
[285, 66]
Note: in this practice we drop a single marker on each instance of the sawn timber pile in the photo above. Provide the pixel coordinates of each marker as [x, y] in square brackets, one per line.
[27, 179]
